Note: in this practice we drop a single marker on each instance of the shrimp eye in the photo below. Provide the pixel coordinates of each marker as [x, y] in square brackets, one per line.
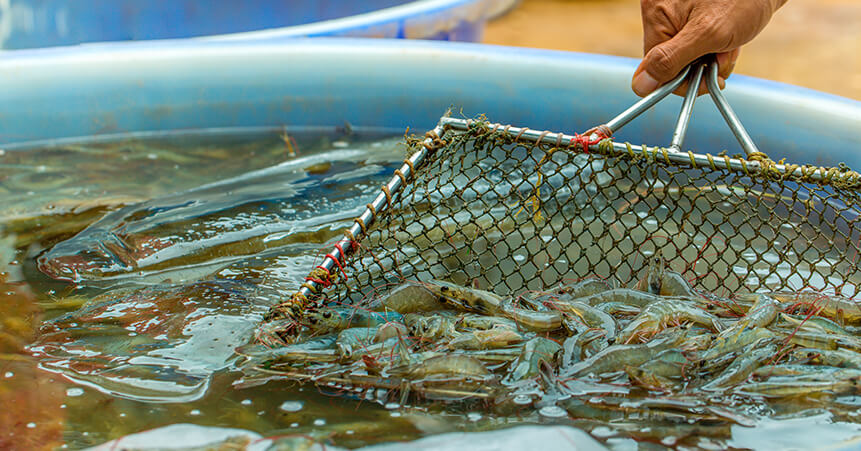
[443, 289]
[312, 320]
[327, 315]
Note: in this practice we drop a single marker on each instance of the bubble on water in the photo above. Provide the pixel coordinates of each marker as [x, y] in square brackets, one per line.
[194, 412]
[246, 402]
[291, 406]
[553, 412]
[31, 425]
[669, 440]
[603, 432]
[522, 400]
[8, 374]
[74, 391]
[294, 425]
[319, 422]
[350, 432]
[391, 405]
[473, 416]
[395, 414]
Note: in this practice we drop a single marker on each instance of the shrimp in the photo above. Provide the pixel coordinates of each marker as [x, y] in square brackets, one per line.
[838, 308]
[841, 358]
[583, 288]
[587, 317]
[484, 322]
[530, 319]
[328, 319]
[463, 298]
[444, 365]
[410, 298]
[741, 368]
[616, 357]
[672, 363]
[761, 314]
[497, 337]
[648, 379]
[724, 345]
[576, 347]
[662, 281]
[795, 387]
[431, 327]
[815, 323]
[535, 351]
[618, 309]
[659, 315]
[622, 295]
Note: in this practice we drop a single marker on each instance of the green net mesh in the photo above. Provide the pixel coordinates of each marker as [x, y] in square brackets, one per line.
[503, 213]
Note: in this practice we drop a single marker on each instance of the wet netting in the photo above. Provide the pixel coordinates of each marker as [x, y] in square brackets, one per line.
[510, 210]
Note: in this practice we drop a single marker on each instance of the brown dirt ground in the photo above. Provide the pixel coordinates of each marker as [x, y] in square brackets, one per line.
[811, 43]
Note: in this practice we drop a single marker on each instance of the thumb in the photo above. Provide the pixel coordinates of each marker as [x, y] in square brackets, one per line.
[665, 60]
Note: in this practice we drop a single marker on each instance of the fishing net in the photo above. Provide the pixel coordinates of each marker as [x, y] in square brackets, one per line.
[509, 209]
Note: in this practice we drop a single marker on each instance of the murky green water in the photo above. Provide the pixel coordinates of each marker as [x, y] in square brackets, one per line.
[153, 257]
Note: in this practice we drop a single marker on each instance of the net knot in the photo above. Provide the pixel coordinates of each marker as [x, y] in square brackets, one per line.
[291, 308]
[767, 166]
[322, 277]
[591, 137]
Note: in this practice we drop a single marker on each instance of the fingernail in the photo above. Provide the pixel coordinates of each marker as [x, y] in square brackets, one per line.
[644, 83]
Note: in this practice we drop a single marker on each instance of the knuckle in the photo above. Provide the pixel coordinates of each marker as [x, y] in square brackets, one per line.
[662, 61]
[717, 32]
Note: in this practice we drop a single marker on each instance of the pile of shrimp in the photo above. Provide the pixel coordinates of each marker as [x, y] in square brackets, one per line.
[659, 350]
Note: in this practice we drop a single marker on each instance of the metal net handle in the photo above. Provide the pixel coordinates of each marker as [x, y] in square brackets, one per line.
[323, 275]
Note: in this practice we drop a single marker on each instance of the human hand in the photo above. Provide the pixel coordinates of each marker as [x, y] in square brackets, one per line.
[676, 32]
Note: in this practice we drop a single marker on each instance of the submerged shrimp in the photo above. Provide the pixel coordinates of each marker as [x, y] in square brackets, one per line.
[410, 298]
[741, 368]
[444, 365]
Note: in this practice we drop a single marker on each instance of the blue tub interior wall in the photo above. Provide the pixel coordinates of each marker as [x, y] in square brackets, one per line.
[40, 23]
[127, 87]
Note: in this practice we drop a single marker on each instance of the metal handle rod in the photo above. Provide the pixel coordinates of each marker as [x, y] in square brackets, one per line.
[379, 205]
[647, 102]
[728, 114]
[684, 158]
[687, 106]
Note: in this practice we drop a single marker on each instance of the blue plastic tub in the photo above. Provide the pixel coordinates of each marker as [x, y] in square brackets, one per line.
[149, 86]
[44, 23]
